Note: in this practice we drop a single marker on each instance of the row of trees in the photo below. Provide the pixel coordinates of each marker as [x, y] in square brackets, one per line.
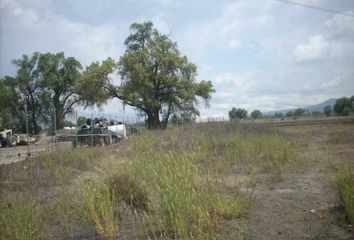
[240, 113]
[343, 107]
[43, 82]
[155, 79]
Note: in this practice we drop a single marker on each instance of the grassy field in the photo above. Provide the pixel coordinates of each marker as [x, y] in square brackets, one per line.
[200, 181]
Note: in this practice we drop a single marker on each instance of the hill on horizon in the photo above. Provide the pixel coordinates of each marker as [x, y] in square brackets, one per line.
[317, 107]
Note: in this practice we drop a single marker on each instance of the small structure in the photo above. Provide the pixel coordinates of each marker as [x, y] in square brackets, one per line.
[99, 132]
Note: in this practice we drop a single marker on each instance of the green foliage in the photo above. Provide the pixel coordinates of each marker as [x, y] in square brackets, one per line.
[182, 118]
[81, 120]
[95, 85]
[23, 92]
[256, 114]
[239, 113]
[344, 106]
[43, 82]
[7, 113]
[58, 78]
[278, 115]
[290, 114]
[156, 78]
[299, 112]
[327, 110]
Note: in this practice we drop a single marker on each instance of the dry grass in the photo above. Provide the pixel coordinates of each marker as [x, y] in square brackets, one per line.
[20, 219]
[343, 168]
[173, 184]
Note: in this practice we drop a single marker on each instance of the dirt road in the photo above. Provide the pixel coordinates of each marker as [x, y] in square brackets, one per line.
[304, 205]
[20, 153]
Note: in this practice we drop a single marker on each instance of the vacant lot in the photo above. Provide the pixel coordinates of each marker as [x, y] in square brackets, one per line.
[204, 181]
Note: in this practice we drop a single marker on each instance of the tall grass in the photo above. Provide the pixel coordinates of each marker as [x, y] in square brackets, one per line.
[172, 182]
[185, 204]
[343, 171]
[96, 204]
[344, 182]
[247, 153]
[20, 219]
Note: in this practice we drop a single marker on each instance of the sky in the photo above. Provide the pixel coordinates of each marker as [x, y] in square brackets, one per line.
[259, 54]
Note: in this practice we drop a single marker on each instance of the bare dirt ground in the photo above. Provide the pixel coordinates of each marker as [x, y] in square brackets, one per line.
[20, 153]
[304, 205]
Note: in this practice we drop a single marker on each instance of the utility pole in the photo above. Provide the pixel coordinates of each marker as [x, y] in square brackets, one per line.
[27, 136]
[55, 126]
[92, 125]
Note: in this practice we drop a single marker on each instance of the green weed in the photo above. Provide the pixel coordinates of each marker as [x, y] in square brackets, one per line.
[344, 182]
[20, 219]
[98, 207]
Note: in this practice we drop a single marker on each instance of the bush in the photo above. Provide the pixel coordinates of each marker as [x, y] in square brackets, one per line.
[126, 189]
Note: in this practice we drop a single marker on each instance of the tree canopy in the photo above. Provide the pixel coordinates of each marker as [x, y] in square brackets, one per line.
[58, 78]
[239, 113]
[155, 78]
[327, 110]
[299, 112]
[256, 114]
[43, 82]
[344, 106]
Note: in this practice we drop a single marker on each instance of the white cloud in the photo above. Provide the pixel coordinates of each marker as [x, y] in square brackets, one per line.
[341, 27]
[332, 83]
[229, 29]
[239, 81]
[317, 48]
[53, 32]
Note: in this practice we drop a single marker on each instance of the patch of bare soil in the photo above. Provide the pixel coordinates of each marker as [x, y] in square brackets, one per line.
[304, 205]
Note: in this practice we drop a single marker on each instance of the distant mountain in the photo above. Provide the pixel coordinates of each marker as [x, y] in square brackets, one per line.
[319, 107]
[312, 108]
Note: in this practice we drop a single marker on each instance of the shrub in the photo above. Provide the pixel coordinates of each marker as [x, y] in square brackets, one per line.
[126, 189]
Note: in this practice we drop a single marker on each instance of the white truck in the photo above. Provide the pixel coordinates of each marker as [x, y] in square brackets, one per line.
[8, 139]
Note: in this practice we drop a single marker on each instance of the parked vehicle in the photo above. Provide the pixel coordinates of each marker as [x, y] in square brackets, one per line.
[8, 139]
[99, 131]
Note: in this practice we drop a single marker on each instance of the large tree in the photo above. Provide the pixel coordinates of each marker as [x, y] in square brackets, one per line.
[256, 114]
[344, 106]
[43, 82]
[239, 113]
[58, 78]
[8, 107]
[327, 110]
[23, 92]
[155, 78]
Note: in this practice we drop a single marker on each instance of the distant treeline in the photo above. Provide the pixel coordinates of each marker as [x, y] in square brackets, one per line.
[343, 107]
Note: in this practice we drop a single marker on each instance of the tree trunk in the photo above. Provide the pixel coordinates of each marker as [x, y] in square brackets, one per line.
[165, 120]
[34, 122]
[153, 120]
[33, 114]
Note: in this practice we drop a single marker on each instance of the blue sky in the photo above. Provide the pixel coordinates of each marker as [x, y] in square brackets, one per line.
[259, 54]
